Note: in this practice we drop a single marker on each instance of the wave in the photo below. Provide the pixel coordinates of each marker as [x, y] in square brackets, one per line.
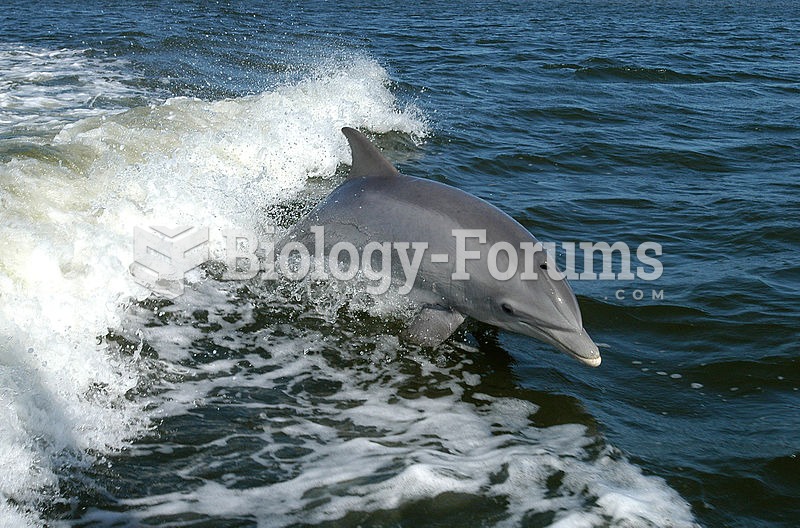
[72, 194]
[610, 70]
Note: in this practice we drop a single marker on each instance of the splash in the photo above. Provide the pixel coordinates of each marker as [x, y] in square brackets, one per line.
[69, 205]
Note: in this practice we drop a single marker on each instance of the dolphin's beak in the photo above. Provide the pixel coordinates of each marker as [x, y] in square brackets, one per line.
[577, 344]
[572, 341]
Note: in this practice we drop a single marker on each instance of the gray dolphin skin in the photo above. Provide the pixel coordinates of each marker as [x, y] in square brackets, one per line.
[377, 203]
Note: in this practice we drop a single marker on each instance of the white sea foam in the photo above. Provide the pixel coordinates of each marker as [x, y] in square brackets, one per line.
[367, 448]
[68, 211]
[42, 90]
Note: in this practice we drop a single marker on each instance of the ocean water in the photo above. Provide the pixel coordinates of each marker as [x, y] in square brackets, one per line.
[252, 404]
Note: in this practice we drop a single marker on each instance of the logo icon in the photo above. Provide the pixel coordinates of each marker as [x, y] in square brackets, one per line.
[162, 256]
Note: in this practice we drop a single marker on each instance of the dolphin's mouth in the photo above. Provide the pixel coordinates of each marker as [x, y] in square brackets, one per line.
[573, 342]
[577, 344]
[592, 362]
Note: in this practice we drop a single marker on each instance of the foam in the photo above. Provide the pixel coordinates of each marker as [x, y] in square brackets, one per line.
[41, 90]
[365, 448]
[68, 212]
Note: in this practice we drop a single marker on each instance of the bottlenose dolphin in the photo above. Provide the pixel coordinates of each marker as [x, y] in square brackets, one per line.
[378, 204]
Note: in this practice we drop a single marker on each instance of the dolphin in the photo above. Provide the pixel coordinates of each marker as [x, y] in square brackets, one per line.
[378, 204]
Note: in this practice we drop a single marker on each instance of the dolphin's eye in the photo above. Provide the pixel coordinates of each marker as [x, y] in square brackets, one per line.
[543, 266]
[507, 309]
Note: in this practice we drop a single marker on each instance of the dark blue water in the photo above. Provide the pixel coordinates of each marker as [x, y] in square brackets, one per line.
[673, 122]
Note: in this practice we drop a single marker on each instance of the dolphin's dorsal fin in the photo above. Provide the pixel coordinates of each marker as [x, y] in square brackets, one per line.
[367, 159]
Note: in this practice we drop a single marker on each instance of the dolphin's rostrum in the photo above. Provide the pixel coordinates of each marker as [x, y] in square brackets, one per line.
[377, 203]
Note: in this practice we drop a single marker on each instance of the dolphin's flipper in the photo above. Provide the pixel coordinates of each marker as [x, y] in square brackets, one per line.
[367, 159]
[432, 326]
